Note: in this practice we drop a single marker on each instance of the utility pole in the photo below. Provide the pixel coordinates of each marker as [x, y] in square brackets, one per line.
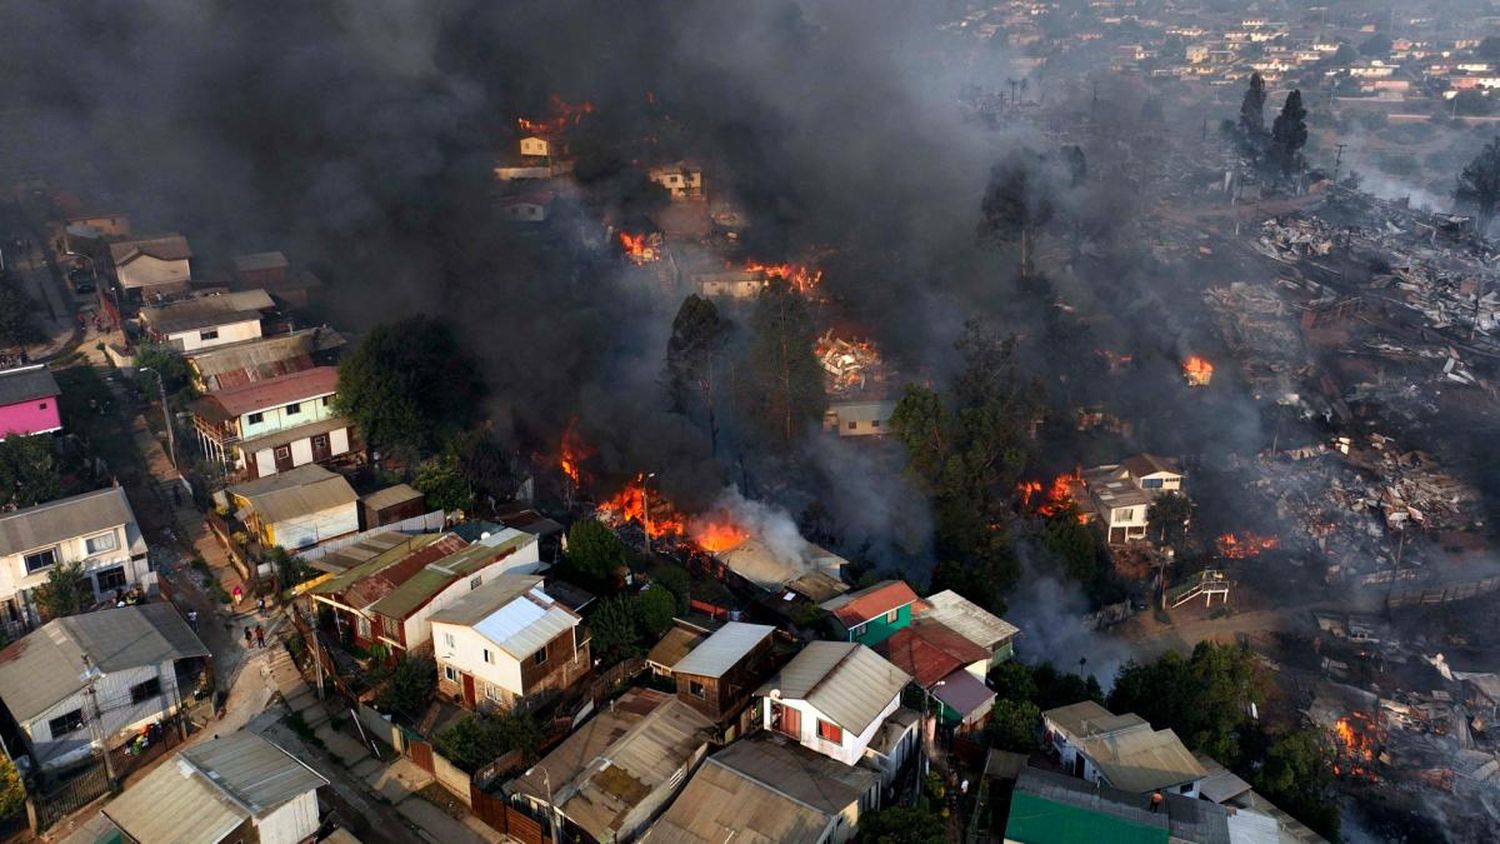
[646, 511]
[166, 413]
[96, 723]
[1337, 160]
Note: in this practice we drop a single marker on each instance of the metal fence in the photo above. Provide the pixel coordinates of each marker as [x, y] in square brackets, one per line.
[64, 797]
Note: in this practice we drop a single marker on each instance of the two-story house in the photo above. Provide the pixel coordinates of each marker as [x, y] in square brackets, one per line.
[1121, 751]
[506, 640]
[980, 626]
[208, 321]
[235, 788]
[237, 364]
[28, 401]
[96, 529]
[1121, 493]
[271, 426]
[718, 676]
[153, 266]
[135, 658]
[682, 179]
[871, 615]
[946, 666]
[832, 698]
[296, 509]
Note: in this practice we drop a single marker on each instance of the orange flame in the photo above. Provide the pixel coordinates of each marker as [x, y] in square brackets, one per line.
[630, 505]
[641, 248]
[1058, 498]
[802, 279]
[1353, 735]
[1245, 545]
[718, 534]
[1197, 370]
[573, 452]
[565, 114]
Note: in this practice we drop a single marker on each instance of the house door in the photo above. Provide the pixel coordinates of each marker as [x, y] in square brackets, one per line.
[320, 448]
[785, 719]
[1078, 765]
[283, 455]
[469, 690]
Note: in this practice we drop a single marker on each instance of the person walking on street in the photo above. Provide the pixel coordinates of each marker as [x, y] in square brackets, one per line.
[260, 605]
[260, 636]
[239, 595]
[193, 620]
[249, 638]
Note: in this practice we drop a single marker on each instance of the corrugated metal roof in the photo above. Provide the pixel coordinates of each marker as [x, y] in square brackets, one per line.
[757, 563]
[386, 553]
[675, 645]
[210, 788]
[930, 651]
[1220, 784]
[358, 553]
[439, 574]
[66, 518]
[265, 357]
[259, 261]
[1087, 718]
[207, 311]
[297, 492]
[964, 694]
[846, 681]
[390, 497]
[300, 386]
[513, 612]
[721, 651]
[618, 758]
[1049, 808]
[871, 602]
[166, 247]
[763, 788]
[46, 665]
[1139, 761]
[969, 620]
[27, 383]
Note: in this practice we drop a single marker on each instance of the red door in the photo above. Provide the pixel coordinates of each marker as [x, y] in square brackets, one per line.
[786, 720]
[469, 690]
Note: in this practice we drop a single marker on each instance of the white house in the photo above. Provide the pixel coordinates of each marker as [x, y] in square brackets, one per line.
[536, 145]
[296, 509]
[234, 788]
[832, 698]
[682, 180]
[505, 640]
[1121, 493]
[209, 321]
[265, 427]
[153, 265]
[1121, 751]
[859, 418]
[130, 655]
[96, 529]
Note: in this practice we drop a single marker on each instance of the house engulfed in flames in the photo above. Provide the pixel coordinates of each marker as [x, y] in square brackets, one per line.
[641, 249]
[1197, 371]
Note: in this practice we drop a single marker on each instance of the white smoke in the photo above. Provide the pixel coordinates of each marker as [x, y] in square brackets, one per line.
[771, 525]
[1052, 615]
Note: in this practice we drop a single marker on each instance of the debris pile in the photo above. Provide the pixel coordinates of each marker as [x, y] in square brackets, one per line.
[849, 366]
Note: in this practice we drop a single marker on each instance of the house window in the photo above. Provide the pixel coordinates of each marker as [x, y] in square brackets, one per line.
[362, 625]
[39, 560]
[294, 408]
[64, 724]
[103, 542]
[890, 617]
[327, 401]
[255, 418]
[540, 656]
[1127, 515]
[493, 692]
[449, 674]
[1187, 788]
[145, 691]
[448, 639]
[874, 423]
[697, 690]
[110, 579]
[41, 406]
[853, 425]
[830, 732]
[1151, 483]
[283, 452]
[489, 657]
[209, 334]
[475, 582]
[320, 441]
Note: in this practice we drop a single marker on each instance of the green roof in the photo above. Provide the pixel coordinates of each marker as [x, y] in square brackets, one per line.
[1036, 820]
[437, 576]
[347, 578]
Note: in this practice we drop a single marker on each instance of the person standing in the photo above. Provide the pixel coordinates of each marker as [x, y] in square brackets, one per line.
[260, 636]
[239, 595]
[249, 638]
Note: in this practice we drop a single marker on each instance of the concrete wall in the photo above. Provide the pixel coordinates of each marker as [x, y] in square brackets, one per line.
[235, 332]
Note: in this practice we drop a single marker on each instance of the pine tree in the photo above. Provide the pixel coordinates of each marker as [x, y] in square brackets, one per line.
[1253, 109]
[1479, 185]
[1289, 133]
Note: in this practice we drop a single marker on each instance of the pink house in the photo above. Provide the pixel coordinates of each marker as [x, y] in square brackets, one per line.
[28, 401]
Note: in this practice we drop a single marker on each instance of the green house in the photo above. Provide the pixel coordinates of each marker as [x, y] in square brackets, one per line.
[871, 615]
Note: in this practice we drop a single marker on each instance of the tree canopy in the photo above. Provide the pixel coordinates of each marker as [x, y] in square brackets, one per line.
[695, 363]
[902, 825]
[1252, 123]
[66, 592]
[478, 739]
[1167, 517]
[17, 318]
[1205, 698]
[409, 386]
[594, 552]
[785, 381]
[441, 480]
[408, 686]
[1019, 199]
[28, 471]
[1479, 185]
[1289, 134]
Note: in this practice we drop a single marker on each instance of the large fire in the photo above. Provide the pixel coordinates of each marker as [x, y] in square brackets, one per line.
[1052, 499]
[1355, 736]
[572, 453]
[1243, 546]
[1197, 370]
[847, 363]
[717, 533]
[713, 532]
[802, 279]
[564, 114]
[641, 249]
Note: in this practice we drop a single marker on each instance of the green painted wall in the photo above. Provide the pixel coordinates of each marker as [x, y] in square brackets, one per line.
[874, 632]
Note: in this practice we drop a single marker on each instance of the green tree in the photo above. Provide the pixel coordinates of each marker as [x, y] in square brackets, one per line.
[655, 609]
[12, 790]
[409, 386]
[1012, 681]
[1077, 546]
[1376, 46]
[1472, 104]
[290, 569]
[166, 362]
[1289, 133]
[676, 581]
[695, 362]
[1167, 517]
[594, 551]
[490, 470]
[901, 825]
[66, 592]
[1252, 123]
[616, 631]
[1205, 698]
[1014, 725]
[1297, 776]
[17, 315]
[478, 739]
[784, 382]
[1018, 201]
[1479, 185]
[441, 480]
[28, 471]
[407, 687]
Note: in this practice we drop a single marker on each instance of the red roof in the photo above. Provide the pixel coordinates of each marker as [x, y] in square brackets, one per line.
[275, 392]
[872, 602]
[930, 651]
[367, 590]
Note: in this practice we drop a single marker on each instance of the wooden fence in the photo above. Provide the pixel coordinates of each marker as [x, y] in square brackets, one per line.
[1444, 594]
